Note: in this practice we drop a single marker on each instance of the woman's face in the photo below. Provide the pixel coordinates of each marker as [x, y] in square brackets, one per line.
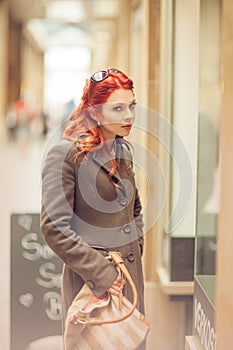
[118, 114]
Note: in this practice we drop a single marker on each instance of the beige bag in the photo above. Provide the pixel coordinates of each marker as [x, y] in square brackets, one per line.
[112, 323]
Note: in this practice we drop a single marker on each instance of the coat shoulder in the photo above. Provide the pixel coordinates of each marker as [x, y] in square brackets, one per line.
[127, 149]
[63, 149]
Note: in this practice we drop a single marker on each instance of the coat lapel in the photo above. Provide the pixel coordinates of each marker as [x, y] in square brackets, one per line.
[101, 158]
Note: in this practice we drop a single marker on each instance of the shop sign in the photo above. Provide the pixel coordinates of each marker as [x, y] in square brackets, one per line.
[204, 319]
[36, 310]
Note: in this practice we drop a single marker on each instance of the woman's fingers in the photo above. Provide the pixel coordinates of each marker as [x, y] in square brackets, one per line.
[117, 286]
[118, 281]
[113, 291]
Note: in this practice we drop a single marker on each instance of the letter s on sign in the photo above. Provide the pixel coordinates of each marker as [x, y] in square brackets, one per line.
[30, 242]
[49, 279]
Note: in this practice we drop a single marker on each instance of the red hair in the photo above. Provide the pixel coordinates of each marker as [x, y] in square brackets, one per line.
[82, 128]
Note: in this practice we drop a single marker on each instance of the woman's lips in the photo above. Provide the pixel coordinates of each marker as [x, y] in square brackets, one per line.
[127, 126]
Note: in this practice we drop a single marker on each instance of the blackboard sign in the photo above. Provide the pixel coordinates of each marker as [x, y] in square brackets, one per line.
[36, 310]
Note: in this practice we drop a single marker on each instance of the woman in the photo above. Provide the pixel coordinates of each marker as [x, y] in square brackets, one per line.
[89, 200]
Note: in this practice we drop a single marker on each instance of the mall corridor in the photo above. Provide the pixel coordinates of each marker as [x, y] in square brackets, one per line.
[179, 54]
[20, 193]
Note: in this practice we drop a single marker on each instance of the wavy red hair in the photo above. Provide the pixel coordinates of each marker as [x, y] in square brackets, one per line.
[82, 129]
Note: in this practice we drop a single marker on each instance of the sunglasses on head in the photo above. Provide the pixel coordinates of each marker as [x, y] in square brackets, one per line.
[103, 74]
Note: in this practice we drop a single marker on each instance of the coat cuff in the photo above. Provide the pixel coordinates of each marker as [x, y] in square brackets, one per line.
[99, 287]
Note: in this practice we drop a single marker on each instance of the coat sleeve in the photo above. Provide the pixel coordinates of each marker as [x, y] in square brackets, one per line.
[58, 190]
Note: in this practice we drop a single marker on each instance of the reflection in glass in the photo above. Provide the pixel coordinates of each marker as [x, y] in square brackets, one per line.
[208, 175]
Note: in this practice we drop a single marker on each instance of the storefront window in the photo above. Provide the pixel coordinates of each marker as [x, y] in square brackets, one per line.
[208, 158]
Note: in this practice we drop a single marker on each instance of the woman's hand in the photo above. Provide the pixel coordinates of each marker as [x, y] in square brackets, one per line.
[117, 286]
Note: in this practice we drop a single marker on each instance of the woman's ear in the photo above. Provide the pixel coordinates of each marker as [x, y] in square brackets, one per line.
[94, 114]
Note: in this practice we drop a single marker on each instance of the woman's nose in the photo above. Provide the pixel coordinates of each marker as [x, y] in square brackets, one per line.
[129, 116]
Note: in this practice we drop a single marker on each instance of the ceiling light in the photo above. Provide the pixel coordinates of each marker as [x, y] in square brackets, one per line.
[66, 11]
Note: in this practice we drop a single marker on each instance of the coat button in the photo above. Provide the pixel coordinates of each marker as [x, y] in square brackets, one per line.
[123, 201]
[131, 257]
[127, 228]
[90, 284]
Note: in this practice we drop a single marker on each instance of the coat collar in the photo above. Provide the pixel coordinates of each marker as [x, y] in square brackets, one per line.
[101, 157]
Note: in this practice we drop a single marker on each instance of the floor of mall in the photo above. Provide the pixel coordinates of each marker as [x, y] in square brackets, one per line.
[179, 54]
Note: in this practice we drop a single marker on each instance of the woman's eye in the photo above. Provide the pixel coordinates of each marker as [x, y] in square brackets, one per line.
[132, 106]
[117, 108]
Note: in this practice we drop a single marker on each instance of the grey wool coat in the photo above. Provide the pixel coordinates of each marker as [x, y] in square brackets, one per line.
[84, 214]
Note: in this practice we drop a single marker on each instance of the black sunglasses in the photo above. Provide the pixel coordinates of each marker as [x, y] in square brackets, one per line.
[103, 74]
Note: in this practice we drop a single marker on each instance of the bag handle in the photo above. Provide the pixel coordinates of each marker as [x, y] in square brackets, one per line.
[119, 262]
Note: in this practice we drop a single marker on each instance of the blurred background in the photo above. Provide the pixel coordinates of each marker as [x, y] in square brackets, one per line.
[179, 54]
[52, 48]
